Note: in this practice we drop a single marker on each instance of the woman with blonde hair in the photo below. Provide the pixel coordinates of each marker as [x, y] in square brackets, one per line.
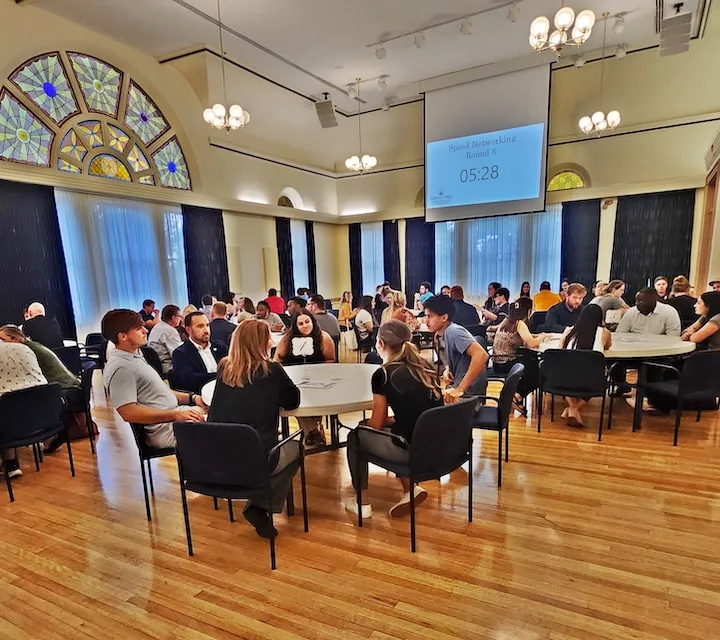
[682, 301]
[252, 390]
[397, 310]
[191, 308]
[346, 314]
[409, 385]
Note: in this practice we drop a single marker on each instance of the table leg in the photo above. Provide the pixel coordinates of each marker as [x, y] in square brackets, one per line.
[290, 501]
[334, 431]
[639, 396]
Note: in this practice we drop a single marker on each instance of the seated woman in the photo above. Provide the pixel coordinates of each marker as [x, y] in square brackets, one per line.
[683, 302]
[365, 317]
[611, 300]
[305, 342]
[251, 390]
[244, 310]
[409, 385]
[397, 310]
[588, 333]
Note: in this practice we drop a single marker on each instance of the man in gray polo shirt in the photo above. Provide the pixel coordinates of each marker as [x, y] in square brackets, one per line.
[136, 390]
[327, 321]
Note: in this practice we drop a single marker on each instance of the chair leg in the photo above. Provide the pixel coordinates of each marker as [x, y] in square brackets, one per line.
[303, 490]
[359, 491]
[500, 456]
[412, 516]
[602, 418]
[145, 490]
[273, 564]
[539, 403]
[186, 512]
[215, 503]
[470, 479]
[35, 455]
[697, 419]
[150, 476]
[507, 443]
[231, 514]
[70, 456]
[91, 431]
[40, 454]
[7, 478]
[552, 407]
[610, 411]
[678, 418]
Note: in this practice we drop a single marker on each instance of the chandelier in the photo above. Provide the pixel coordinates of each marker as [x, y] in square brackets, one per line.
[218, 117]
[598, 122]
[542, 40]
[361, 162]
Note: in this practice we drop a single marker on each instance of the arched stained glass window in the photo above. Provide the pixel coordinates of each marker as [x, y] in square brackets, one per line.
[566, 180]
[284, 201]
[101, 126]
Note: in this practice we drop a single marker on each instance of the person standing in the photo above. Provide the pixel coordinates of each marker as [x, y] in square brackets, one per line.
[164, 337]
[40, 328]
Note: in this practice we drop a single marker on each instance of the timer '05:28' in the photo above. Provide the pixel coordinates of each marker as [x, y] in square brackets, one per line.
[481, 173]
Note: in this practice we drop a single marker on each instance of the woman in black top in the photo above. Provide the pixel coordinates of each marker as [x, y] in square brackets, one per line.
[251, 390]
[409, 385]
[305, 342]
[525, 290]
[683, 302]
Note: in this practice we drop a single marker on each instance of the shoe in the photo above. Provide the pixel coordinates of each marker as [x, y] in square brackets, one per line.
[54, 443]
[12, 468]
[315, 439]
[402, 508]
[259, 519]
[351, 506]
[621, 391]
[647, 407]
[575, 422]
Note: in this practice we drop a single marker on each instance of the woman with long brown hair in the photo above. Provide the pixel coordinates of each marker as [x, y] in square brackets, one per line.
[409, 385]
[252, 390]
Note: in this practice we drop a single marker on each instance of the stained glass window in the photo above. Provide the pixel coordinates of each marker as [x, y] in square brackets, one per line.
[92, 130]
[284, 201]
[171, 166]
[137, 159]
[143, 117]
[64, 165]
[118, 139]
[44, 81]
[100, 83]
[147, 180]
[23, 138]
[106, 166]
[72, 145]
[566, 180]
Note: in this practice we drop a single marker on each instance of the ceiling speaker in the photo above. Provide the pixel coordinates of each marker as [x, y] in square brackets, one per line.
[675, 34]
[326, 113]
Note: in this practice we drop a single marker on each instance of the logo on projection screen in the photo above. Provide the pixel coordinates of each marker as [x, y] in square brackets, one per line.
[440, 200]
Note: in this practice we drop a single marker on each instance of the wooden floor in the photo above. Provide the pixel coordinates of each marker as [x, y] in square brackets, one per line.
[613, 540]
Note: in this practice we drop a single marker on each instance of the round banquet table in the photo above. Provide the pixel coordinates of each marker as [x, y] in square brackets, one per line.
[276, 337]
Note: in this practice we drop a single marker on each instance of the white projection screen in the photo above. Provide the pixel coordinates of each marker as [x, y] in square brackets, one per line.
[486, 146]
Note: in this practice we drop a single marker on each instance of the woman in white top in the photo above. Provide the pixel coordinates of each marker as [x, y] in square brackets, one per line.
[365, 318]
[590, 334]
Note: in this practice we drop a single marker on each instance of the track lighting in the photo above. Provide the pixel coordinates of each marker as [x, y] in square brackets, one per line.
[579, 62]
[619, 25]
[621, 51]
[382, 83]
[386, 104]
[419, 40]
[380, 52]
[466, 27]
[352, 91]
[513, 12]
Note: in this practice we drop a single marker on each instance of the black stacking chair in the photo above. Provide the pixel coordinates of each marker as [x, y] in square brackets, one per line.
[228, 461]
[80, 403]
[364, 345]
[146, 454]
[336, 342]
[478, 330]
[285, 319]
[441, 442]
[153, 359]
[536, 320]
[695, 387]
[90, 352]
[70, 357]
[373, 358]
[576, 373]
[29, 416]
[497, 418]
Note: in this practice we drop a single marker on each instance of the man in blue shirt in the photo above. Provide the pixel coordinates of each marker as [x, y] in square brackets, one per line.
[464, 359]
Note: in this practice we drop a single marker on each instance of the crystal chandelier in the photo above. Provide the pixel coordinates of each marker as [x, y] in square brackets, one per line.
[360, 163]
[598, 122]
[542, 40]
[218, 116]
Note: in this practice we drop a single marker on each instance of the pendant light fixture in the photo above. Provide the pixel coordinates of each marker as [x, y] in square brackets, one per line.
[360, 163]
[219, 117]
[579, 29]
[598, 122]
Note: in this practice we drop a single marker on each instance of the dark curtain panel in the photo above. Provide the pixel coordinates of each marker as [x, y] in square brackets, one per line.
[580, 238]
[653, 236]
[419, 255]
[32, 261]
[206, 261]
[355, 241]
[391, 253]
[285, 259]
[312, 264]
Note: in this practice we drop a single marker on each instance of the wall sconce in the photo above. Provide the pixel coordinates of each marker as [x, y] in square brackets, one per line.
[607, 203]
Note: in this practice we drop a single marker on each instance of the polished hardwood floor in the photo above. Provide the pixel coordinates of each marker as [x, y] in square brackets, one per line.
[587, 540]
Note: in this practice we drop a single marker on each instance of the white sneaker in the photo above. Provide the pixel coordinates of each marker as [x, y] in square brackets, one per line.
[402, 508]
[352, 507]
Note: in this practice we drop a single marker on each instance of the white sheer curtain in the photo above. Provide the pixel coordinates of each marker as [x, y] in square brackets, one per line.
[373, 258]
[298, 239]
[119, 252]
[505, 249]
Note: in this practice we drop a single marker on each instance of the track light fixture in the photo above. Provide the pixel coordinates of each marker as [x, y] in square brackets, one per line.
[352, 91]
[579, 61]
[621, 51]
[419, 40]
[382, 83]
[619, 25]
[386, 104]
[380, 52]
[466, 27]
[513, 12]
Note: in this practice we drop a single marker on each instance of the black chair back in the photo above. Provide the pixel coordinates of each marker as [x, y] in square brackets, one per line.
[94, 340]
[30, 415]
[70, 357]
[373, 358]
[536, 320]
[102, 360]
[477, 330]
[285, 319]
[505, 405]
[335, 312]
[441, 439]
[153, 359]
[336, 342]
[213, 453]
[700, 375]
[328, 305]
[573, 372]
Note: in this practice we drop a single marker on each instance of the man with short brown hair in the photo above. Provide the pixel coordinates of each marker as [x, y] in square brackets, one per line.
[466, 315]
[566, 313]
[220, 329]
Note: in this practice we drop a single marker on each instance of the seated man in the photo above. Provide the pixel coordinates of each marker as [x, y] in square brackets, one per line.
[220, 328]
[545, 298]
[464, 359]
[149, 314]
[466, 315]
[650, 317]
[164, 337]
[19, 369]
[277, 304]
[500, 310]
[136, 390]
[207, 302]
[42, 329]
[423, 294]
[566, 313]
[296, 305]
[262, 312]
[195, 362]
[327, 321]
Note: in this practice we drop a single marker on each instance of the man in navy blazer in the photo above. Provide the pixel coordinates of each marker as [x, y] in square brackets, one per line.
[195, 362]
[220, 329]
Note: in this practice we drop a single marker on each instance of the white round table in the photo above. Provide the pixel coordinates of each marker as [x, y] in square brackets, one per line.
[276, 337]
[341, 388]
[634, 346]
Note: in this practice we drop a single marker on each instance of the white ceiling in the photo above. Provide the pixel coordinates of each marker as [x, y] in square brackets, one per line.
[313, 46]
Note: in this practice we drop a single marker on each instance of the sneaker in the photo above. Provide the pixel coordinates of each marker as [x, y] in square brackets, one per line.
[402, 508]
[352, 507]
[12, 468]
[259, 519]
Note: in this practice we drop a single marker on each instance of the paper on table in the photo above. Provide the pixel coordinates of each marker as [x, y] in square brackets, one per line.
[316, 384]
